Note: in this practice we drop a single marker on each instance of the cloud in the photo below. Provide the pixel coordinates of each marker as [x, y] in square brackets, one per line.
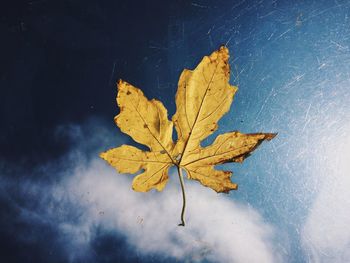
[91, 197]
[326, 233]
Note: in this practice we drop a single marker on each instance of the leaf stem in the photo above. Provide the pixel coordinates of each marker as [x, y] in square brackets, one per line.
[183, 196]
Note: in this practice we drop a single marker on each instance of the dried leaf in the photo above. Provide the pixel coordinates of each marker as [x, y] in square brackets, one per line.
[204, 95]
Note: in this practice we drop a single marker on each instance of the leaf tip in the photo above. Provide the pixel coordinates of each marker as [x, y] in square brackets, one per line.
[270, 136]
[232, 187]
[223, 49]
[103, 155]
[228, 188]
[240, 158]
[234, 87]
[121, 84]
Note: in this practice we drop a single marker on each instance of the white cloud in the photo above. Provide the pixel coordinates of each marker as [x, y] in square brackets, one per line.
[218, 229]
[93, 196]
[326, 233]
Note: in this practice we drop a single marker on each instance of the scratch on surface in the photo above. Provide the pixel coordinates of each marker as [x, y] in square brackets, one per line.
[198, 5]
[268, 14]
[322, 66]
[271, 35]
[295, 79]
[158, 47]
[263, 105]
[210, 29]
[228, 41]
[111, 77]
[285, 32]
[238, 4]
[307, 119]
[236, 78]
[211, 41]
[339, 46]
[325, 10]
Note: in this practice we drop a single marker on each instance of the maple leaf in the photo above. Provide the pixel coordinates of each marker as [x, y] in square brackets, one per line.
[204, 95]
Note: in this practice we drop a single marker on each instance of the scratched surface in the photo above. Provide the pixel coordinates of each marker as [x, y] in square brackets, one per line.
[291, 63]
[290, 60]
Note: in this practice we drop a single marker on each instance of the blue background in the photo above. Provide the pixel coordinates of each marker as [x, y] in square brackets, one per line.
[290, 59]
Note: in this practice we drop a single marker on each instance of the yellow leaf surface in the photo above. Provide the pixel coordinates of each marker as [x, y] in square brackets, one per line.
[129, 159]
[146, 121]
[204, 95]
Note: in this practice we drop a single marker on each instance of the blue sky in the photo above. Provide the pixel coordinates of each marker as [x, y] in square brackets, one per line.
[61, 203]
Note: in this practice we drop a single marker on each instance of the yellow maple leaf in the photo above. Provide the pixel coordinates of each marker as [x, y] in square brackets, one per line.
[204, 95]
